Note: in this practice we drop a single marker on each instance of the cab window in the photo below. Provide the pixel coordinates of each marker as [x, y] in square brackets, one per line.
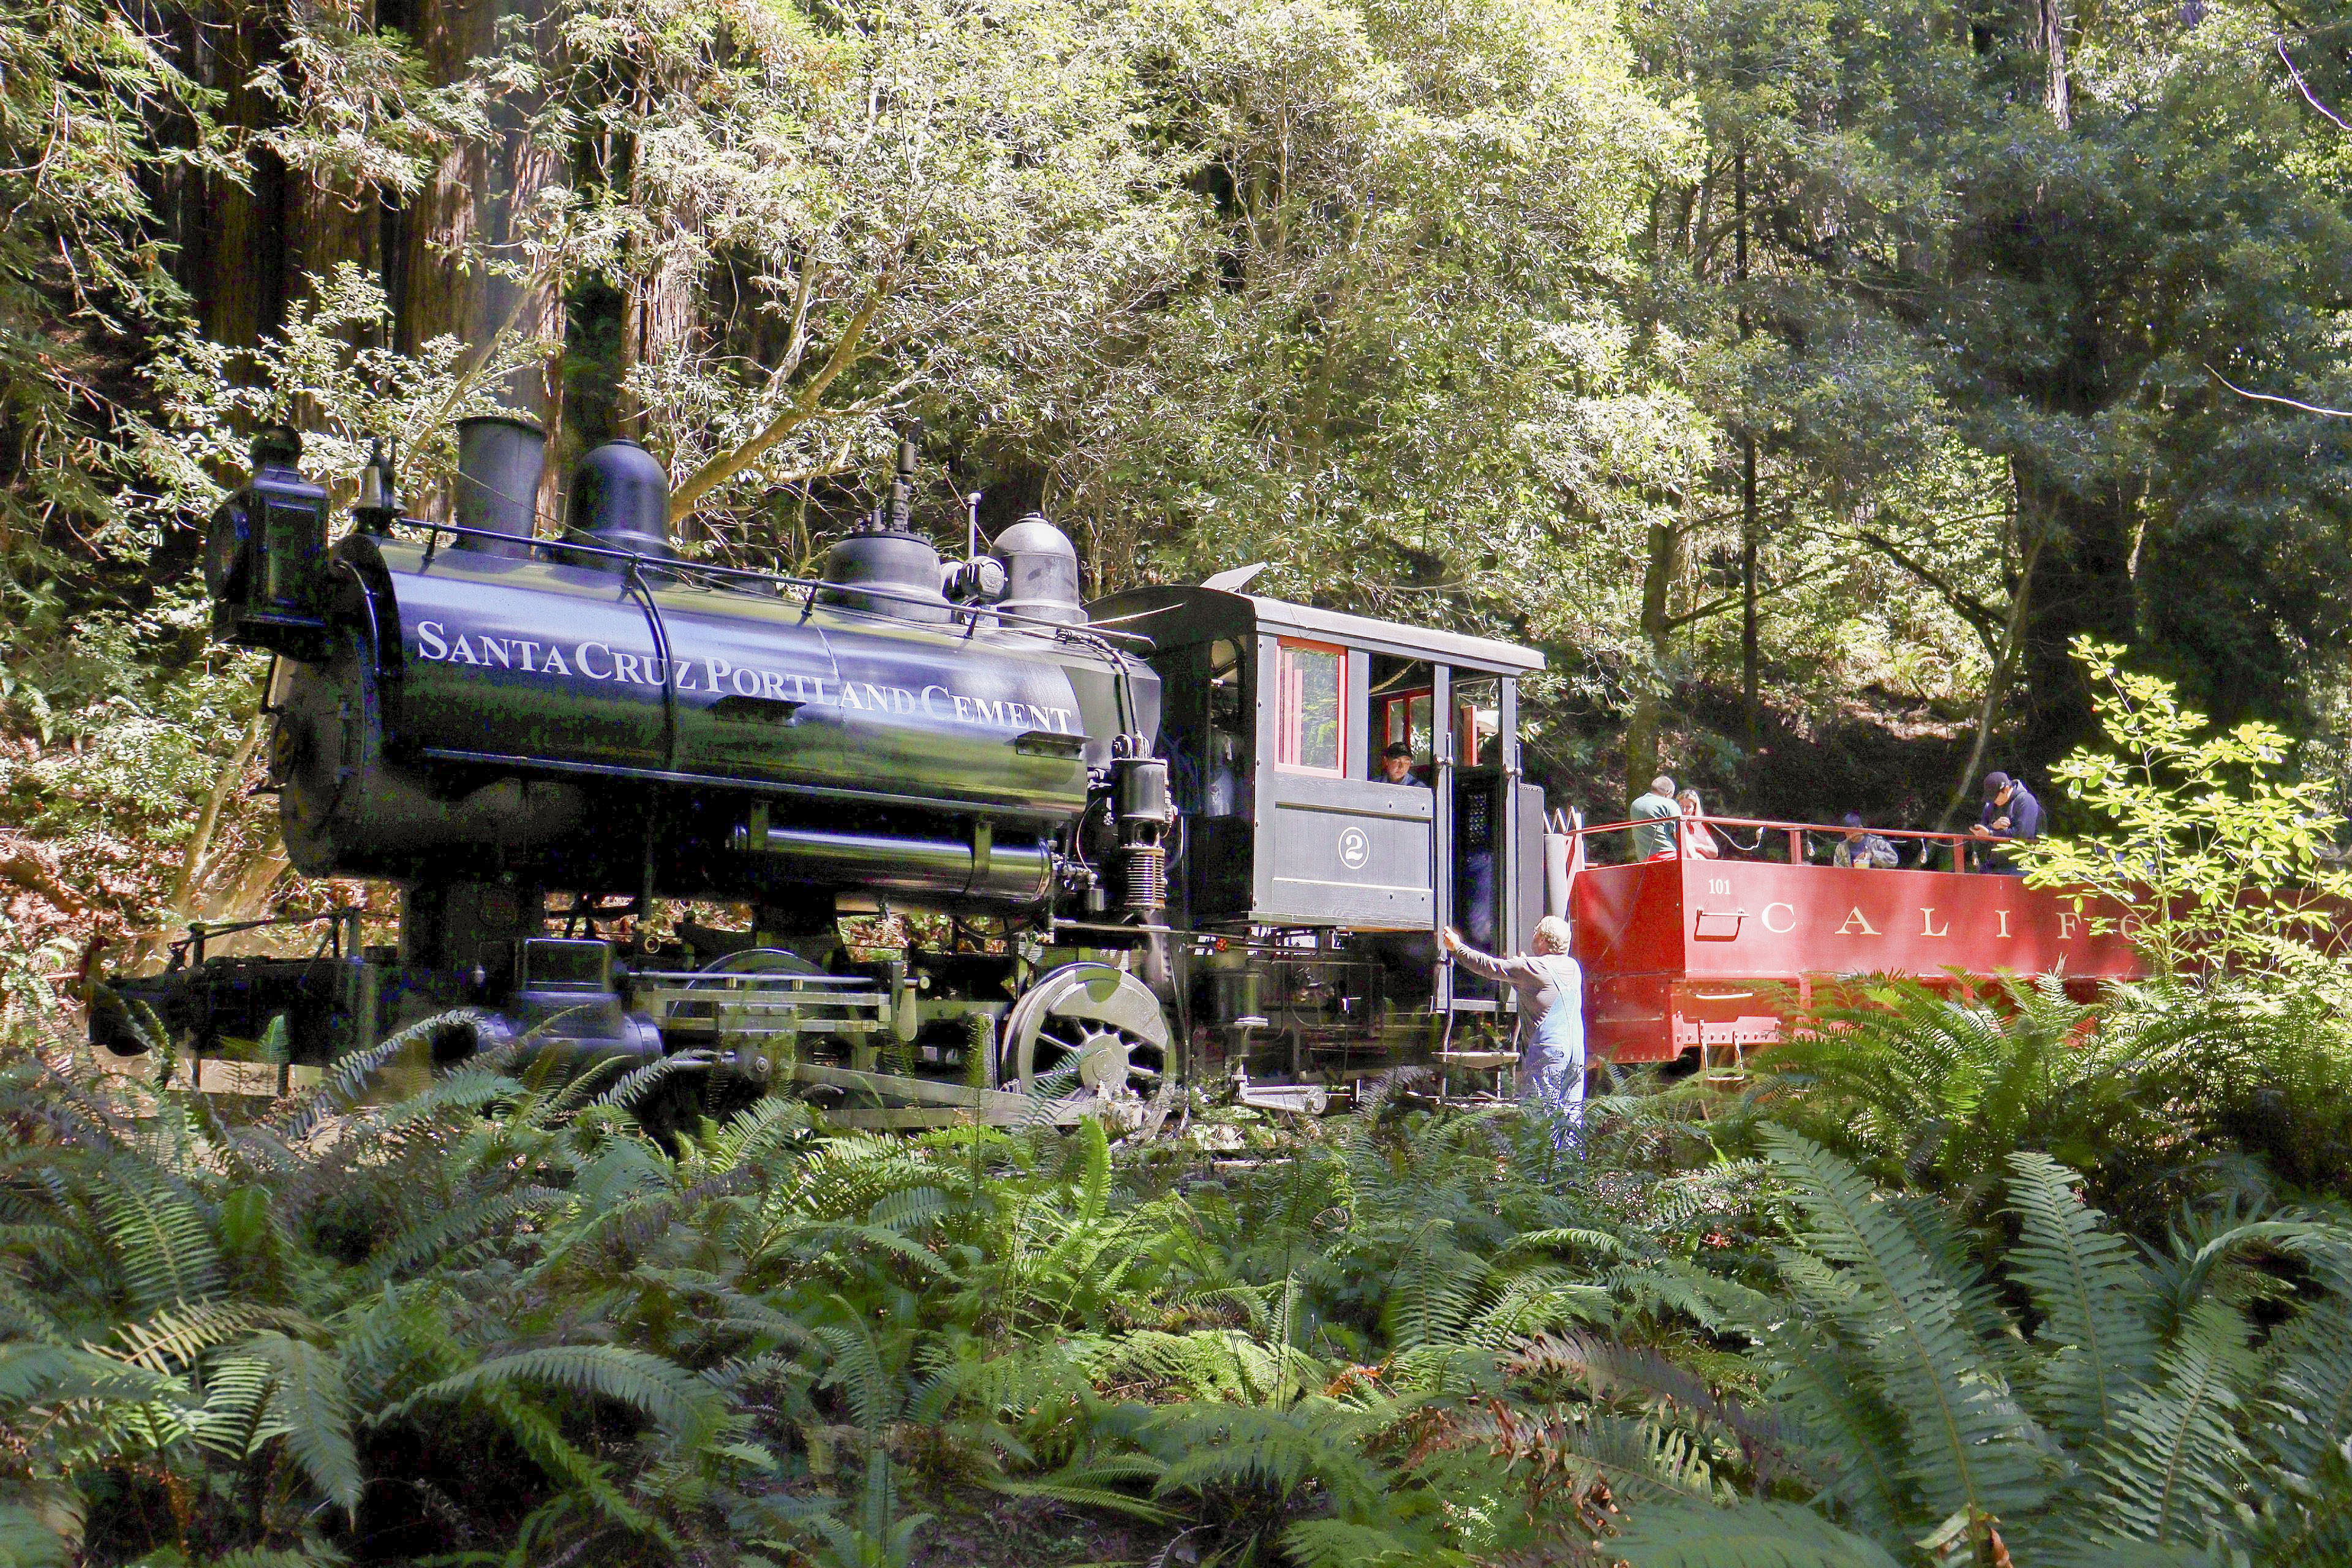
[1311, 734]
[1402, 714]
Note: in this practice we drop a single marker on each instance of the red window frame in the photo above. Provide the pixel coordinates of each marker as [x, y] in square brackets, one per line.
[1290, 704]
[1388, 702]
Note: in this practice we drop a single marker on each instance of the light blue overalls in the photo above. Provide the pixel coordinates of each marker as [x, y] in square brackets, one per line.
[1552, 1068]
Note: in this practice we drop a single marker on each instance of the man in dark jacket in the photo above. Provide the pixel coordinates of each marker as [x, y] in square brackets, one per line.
[2009, 813]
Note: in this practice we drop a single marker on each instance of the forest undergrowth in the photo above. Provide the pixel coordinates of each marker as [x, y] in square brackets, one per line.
[1940, 1290]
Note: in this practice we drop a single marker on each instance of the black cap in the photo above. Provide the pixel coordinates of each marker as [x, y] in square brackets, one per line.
[1852, 819]
[1995, 784]
[1396, 749]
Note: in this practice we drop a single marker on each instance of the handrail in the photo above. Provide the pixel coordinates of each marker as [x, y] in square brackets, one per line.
[1797, 832]
[701, 571]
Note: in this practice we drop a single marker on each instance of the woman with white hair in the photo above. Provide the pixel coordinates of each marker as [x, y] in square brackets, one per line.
[1550, 985]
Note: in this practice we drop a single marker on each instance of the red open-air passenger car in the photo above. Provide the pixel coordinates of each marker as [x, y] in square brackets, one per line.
[1687, 954]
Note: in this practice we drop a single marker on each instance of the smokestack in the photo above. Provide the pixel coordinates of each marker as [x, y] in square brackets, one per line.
[499, 459]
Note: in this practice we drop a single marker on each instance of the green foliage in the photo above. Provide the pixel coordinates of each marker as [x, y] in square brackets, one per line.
[2158, 1091]
[2128, 1418]
[2198, 842]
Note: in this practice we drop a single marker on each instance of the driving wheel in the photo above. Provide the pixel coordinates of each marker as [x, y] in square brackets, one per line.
[1089, 1038]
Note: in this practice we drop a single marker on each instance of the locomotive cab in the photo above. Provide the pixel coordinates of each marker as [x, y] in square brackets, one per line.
[1315, 886]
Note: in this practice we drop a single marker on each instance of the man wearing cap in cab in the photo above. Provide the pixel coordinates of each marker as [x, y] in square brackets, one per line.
[2011, 811]
[1396, 764]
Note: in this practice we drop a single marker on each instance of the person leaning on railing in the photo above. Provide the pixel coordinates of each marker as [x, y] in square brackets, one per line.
[1861, 849]
[1550, 986]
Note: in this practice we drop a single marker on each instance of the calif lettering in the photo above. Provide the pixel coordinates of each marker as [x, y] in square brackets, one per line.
[599, 661]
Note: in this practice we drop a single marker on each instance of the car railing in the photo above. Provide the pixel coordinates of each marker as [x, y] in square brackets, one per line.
[1794, 835]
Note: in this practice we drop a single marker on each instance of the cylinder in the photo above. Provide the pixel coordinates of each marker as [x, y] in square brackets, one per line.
[499, 462]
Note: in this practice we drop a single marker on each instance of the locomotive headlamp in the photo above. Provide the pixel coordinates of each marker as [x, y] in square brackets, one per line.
[266, 554]
[978, 581]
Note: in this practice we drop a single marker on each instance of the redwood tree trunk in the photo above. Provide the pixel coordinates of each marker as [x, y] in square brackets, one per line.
[244, 289]
[474, 208]
[2083, 587]
[1657, 647]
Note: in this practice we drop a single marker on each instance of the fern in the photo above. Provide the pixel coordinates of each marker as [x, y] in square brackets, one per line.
[311, 1407]
[1751, 1535]
[161, 1241]
[2091, 1295]
[676, 1400]
[1971, 1447]
[2174, 1472]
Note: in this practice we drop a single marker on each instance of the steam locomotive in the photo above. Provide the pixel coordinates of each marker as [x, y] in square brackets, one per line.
[1151, 835]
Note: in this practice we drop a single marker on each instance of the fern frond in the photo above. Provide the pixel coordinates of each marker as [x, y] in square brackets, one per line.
[1748, 1535]
[35, 1374]
[674, 1398]
[313, 1409]
[160, 1242]
[2172, 1472]
[1343, 1544]
[1970, 1446]
[539, 1435]
[2089, 1290]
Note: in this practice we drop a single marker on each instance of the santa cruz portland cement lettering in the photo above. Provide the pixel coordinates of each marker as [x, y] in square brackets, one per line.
[598, 661]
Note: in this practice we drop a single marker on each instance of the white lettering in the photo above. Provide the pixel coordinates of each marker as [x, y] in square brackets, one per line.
[1927, 923]
[2004, 920]
[902, 699]
[874, 698]
[964, 709]
[465, 655]
[719, 669]
[554, 665]
[772, 686]
[1853, 920]
[495, 649]
[429, 641]
[580, 658]
[849, 696]
[686, 678]
[1767, 917]
[739, 677]
[624, 668]
[526, 648]
[2067, 920]
[928, 712]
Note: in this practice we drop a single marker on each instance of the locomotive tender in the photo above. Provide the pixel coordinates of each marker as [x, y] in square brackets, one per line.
[1155, 826]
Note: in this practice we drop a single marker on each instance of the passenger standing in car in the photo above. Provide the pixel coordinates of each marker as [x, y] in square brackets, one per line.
[2010, 813]
[1657, 818]
[1550, 985]
[1698, 839]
